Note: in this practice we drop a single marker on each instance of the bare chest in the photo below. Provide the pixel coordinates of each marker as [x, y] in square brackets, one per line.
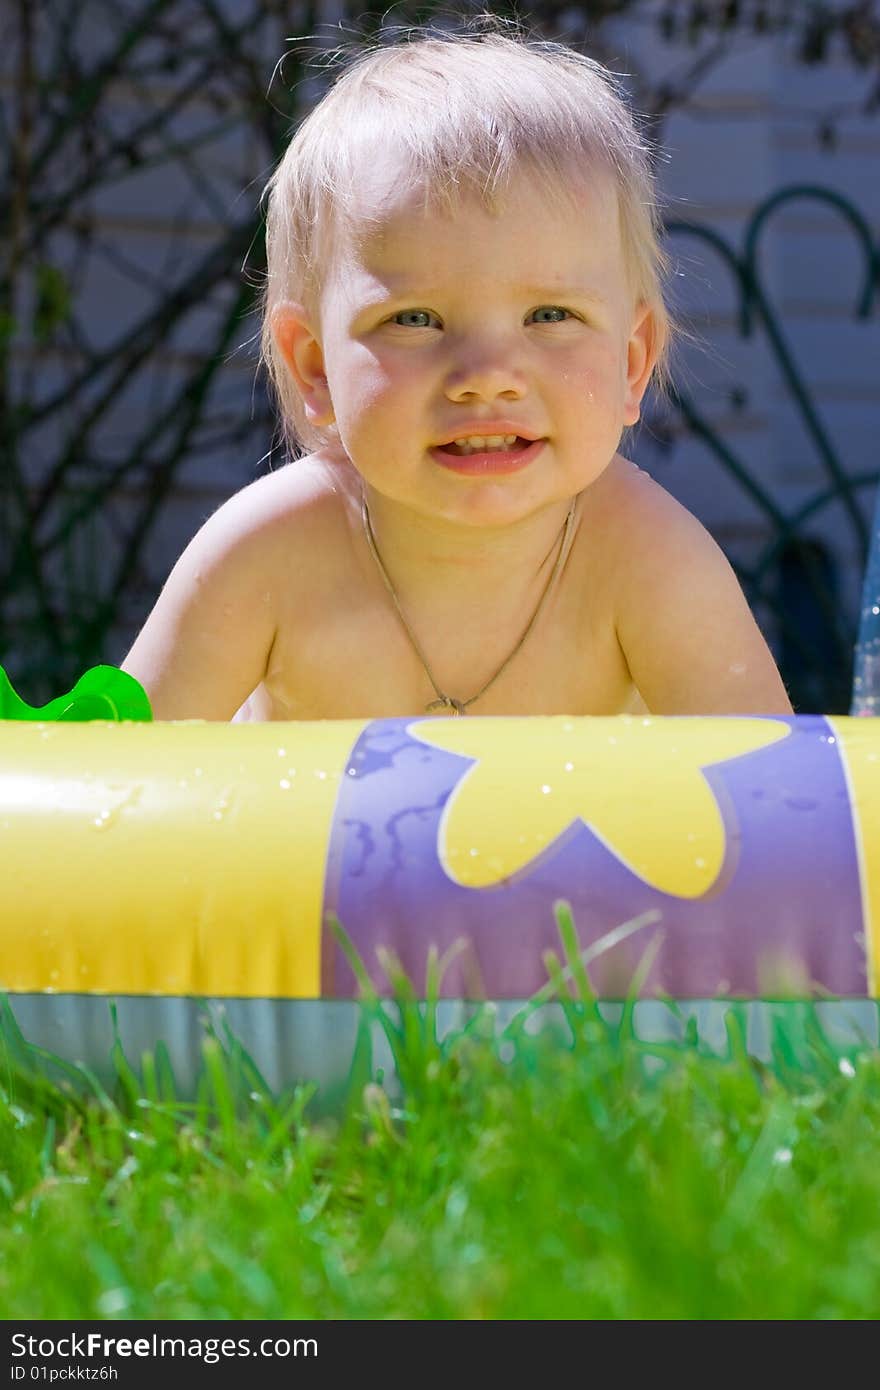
[342, 652]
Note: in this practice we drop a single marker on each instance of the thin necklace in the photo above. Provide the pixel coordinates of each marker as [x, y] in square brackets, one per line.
[443, 700]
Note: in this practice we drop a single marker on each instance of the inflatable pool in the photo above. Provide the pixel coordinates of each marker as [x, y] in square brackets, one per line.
[169, 864]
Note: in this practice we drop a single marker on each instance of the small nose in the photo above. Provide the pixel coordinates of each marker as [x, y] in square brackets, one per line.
[487, 373]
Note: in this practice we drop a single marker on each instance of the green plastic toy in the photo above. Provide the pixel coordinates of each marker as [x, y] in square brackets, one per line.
[104, 692]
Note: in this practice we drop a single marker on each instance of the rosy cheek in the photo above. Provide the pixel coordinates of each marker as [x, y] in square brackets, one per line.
[378, 377]
[365, 385]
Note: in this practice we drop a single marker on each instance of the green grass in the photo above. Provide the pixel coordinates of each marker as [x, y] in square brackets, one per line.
[506, 1175]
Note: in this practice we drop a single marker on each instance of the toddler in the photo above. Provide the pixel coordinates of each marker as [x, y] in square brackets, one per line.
[463, 311]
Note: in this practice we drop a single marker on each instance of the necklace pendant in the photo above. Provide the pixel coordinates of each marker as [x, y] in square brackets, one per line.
[446, 702]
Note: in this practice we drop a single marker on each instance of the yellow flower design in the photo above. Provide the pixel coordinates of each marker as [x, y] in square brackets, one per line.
[638, 783]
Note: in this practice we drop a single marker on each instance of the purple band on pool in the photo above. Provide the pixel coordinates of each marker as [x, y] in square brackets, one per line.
[783, 915]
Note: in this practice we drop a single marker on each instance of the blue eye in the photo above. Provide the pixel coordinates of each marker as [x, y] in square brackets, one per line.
[413, 314]
[552, 309]
[409, 318]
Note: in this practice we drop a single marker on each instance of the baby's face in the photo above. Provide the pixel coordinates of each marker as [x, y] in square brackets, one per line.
[435, 327]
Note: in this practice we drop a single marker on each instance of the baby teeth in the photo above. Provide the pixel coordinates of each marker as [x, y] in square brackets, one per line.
[479, 443]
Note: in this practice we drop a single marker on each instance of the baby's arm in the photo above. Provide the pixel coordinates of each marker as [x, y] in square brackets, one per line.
[686, 631]
[206, 643]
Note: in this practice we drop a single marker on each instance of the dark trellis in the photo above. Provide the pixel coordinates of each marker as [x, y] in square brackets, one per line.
[818, 668]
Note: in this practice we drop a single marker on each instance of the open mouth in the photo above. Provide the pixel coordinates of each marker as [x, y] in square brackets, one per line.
[509, 445]
[508, 457]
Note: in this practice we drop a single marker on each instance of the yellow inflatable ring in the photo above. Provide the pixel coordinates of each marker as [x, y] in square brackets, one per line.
[734, 857]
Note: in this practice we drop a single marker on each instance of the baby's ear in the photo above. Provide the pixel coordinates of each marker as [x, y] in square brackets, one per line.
[643, 348]
[300, 347]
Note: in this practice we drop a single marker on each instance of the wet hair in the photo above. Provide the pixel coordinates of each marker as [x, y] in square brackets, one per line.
[467, 111]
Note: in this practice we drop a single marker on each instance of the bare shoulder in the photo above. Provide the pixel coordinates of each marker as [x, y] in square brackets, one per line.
[685, 629]
[629, 497]
[301, 494]
[655, 539]
[287, 527]
[207, 642]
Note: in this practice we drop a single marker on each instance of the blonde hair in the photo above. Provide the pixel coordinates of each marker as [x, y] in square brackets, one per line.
[468, 111]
